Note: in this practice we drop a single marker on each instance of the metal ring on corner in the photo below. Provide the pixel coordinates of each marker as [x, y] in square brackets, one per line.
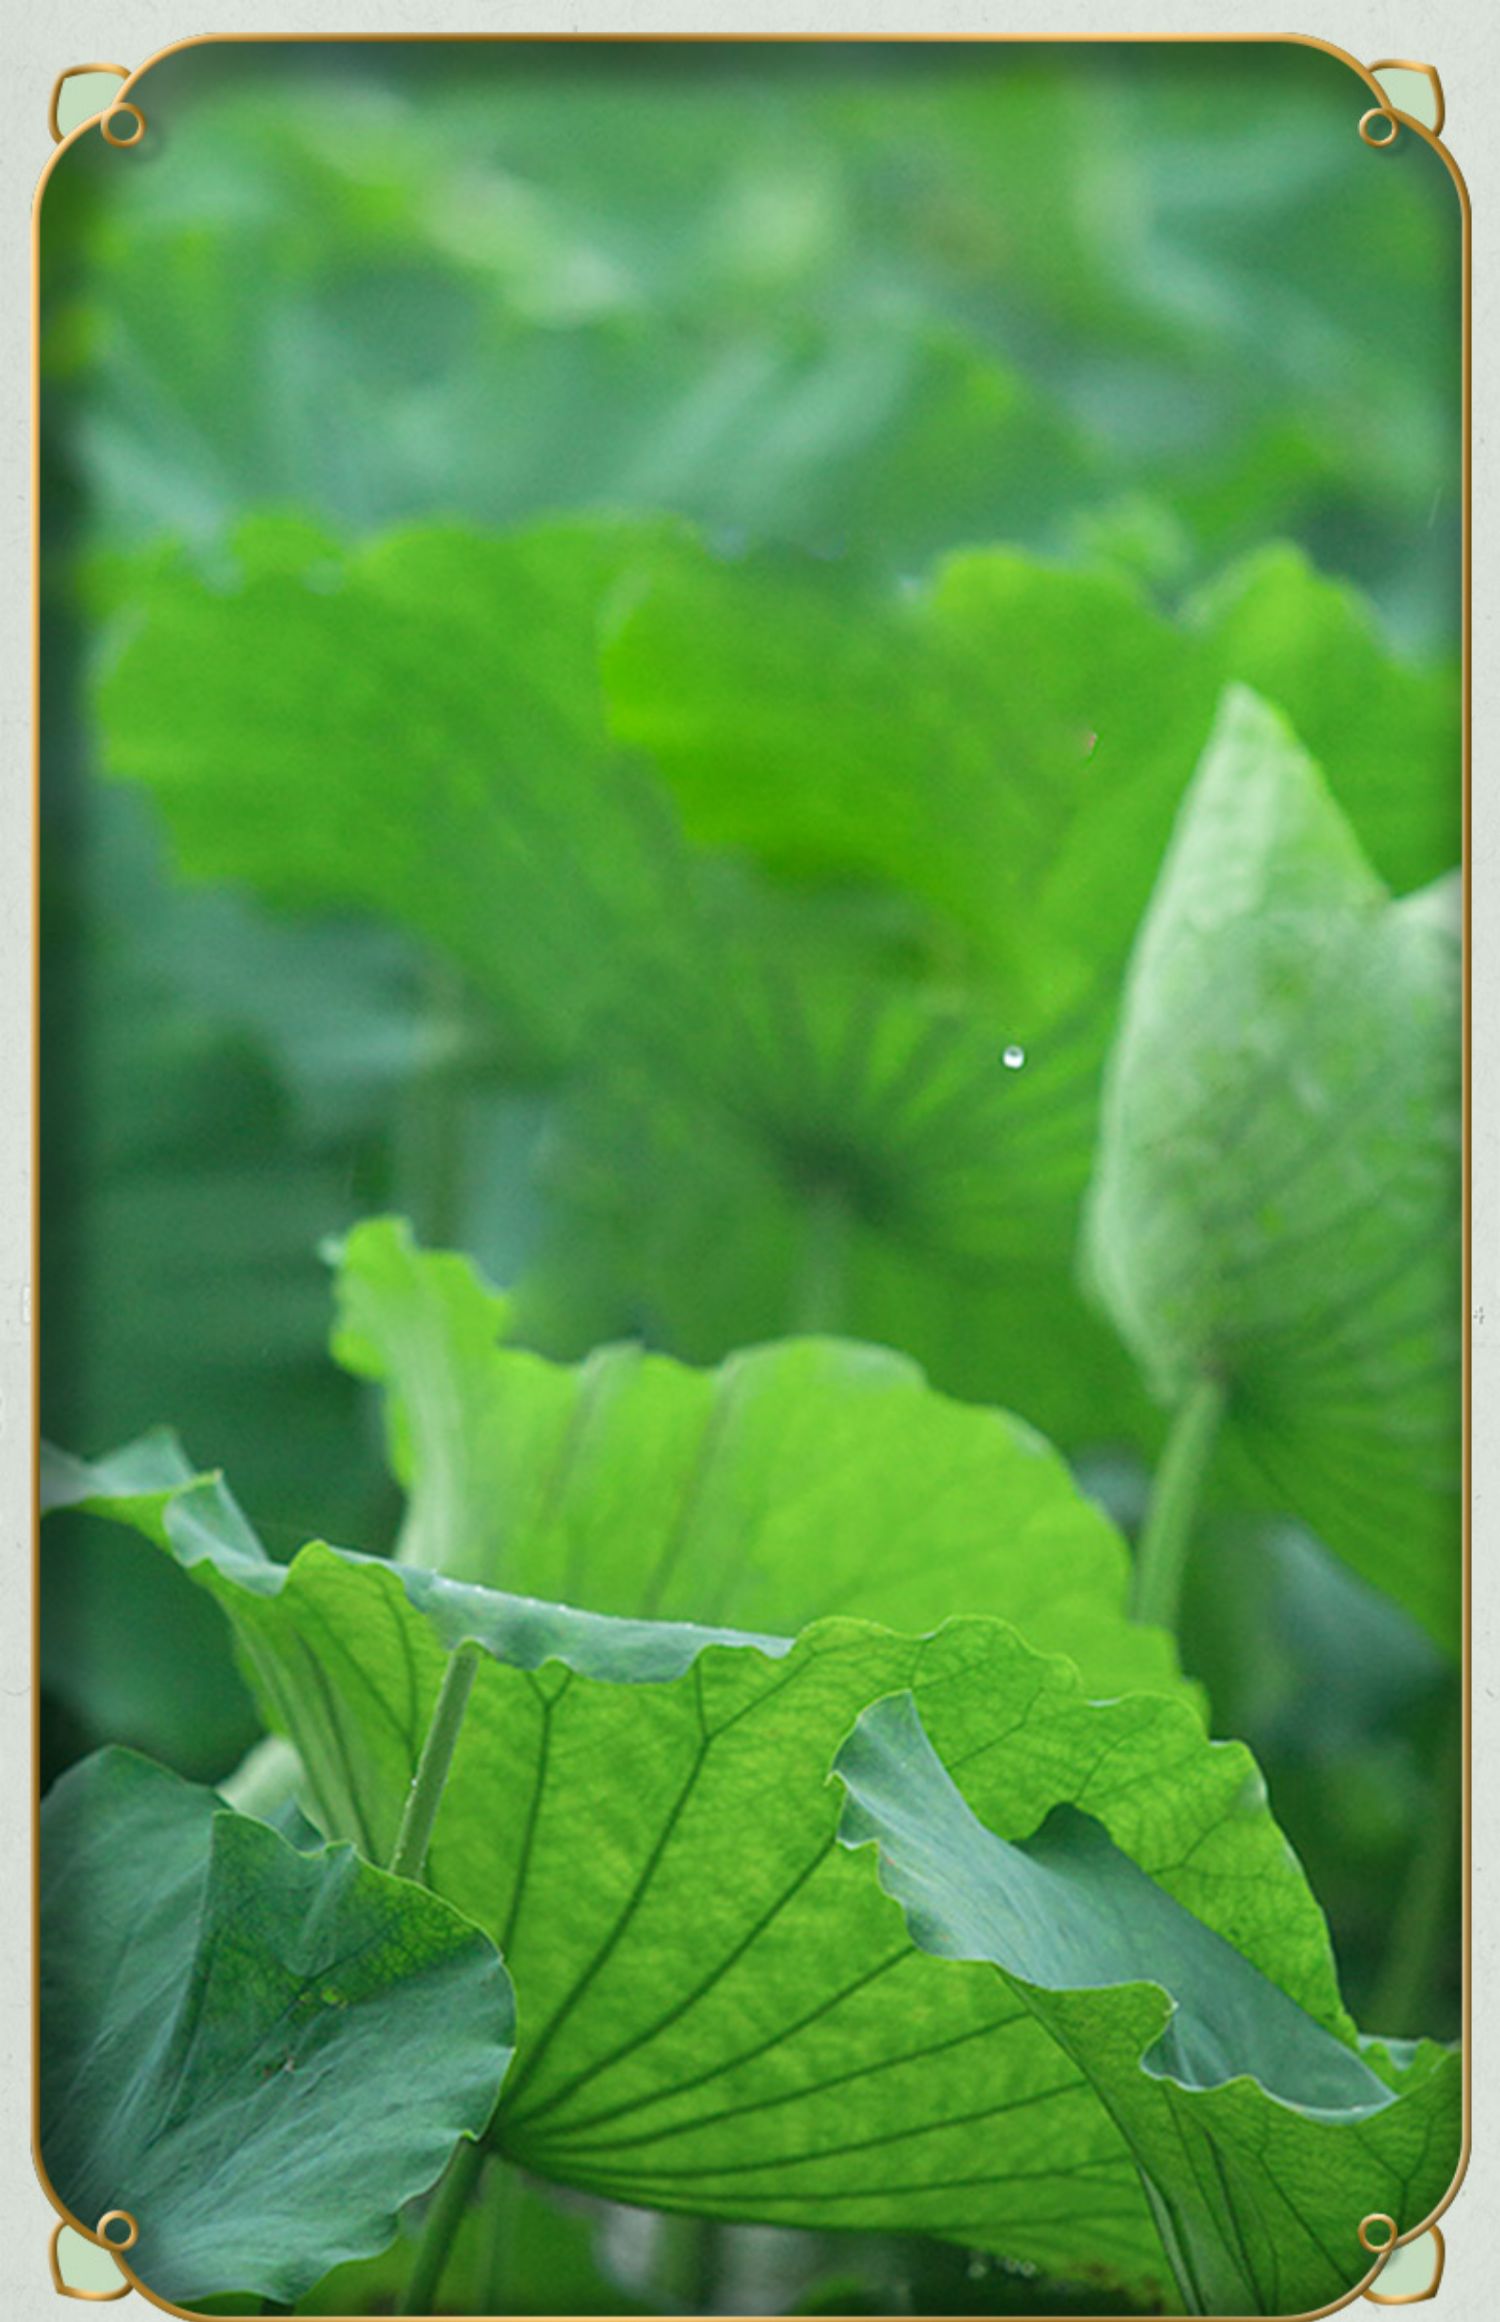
[136, 115]
[1379, 113]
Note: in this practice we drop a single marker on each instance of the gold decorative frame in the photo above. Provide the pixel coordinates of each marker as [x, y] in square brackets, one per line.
[1383, 108]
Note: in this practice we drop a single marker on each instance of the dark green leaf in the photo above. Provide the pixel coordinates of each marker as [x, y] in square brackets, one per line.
[259, 2054]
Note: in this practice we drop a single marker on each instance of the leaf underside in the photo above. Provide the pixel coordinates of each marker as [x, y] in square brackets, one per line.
[1276, 1202]
[1259, 2136]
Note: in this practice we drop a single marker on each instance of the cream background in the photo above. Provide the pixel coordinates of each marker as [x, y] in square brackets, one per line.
[1463, 42]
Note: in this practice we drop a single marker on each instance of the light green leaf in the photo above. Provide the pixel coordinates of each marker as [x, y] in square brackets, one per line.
[918, 830]
[719, 2013]
[1276, 1204]
[412, 728]
[1008, 741]
[801, 1479]
[1261, 2138]
[259, 2054]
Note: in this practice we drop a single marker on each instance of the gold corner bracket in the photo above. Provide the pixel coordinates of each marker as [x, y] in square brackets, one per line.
[120, 122]
[77, 2271]
[1423, 2248]
[1411, 97]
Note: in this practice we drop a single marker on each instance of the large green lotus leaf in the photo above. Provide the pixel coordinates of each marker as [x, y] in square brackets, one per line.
[896, 1165]
[1012, 739]
[483, 807]
[1009, 741]
[260, 2054]
[720, 2012]
[1276, 1204]
[1262, 2139]
[412, 728]
[808, 1064]
[995, 761]
[810, 1477]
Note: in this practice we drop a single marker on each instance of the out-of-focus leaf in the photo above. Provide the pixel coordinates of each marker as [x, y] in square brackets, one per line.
[729, 1046]
[1011, 739]
[187, 1185]
[259, 2054]
[987, 742]
[1259, 2135]
[1276, 1203]
[878, 1044]
[850, 296]
[412, 728]
[1386, 731]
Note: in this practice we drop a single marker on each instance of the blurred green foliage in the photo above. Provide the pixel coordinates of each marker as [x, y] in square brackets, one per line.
[808, 324]
[851, 297]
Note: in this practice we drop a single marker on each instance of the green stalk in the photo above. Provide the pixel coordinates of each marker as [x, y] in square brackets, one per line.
[1162, 1552]
[429, 1142]
[443, 2220]
[1420, 1923]
[689, 2261]
[409, 1861]
[818, 1299]
[415, 1835]
[500, 2202]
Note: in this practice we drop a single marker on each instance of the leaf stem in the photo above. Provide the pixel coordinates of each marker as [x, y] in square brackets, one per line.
[443, 2219]
[430, 1124]
[819, 1295]
[409, 1861]
[410, 1857]
[500, 2201]
[689, 2261]
[1162, 1552]
[1429, 1891]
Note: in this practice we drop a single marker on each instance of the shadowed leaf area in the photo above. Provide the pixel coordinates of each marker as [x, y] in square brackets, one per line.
[216, 2008]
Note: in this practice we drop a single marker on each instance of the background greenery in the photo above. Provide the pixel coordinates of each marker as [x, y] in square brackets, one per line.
[1137, 313]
